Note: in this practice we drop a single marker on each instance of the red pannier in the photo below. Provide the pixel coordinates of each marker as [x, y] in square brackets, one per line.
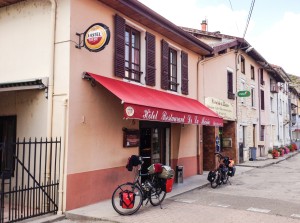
[127, 199]
[169, 185]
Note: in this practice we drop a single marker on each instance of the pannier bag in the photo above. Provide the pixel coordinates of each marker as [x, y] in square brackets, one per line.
[231, 171]
[169, 185]
[167, 172]
[155, 168]
[211, 176]
[127, 199]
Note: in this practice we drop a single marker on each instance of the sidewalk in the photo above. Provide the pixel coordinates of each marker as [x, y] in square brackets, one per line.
[104, 210]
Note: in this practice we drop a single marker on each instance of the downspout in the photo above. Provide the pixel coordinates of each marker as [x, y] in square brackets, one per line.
[198, 140]
[236, 106]
[62, 185]
[51, 69]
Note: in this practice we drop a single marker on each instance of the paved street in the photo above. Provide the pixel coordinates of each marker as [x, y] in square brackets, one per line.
[269, 194]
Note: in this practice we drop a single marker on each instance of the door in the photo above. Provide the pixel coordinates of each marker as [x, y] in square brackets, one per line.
[154, 143]
[8, 126]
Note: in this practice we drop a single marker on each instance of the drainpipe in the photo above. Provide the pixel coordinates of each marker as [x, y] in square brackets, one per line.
[198, 140]
[236, 107]
[62, 177]
[51, 69]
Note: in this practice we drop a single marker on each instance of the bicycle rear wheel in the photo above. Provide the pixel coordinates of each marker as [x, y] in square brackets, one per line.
[216, 181]
[123, 207]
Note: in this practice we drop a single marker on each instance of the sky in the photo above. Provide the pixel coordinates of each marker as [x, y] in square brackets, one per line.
[273, 30]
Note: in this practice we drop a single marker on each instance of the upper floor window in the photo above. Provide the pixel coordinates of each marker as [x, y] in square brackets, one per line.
[171, 74]
[252, 96]
[242, 64]
[252, 73]
[173, 69]
[132, 54]
[261, 73]
[230, 93]
[131, 44]
[272, 104]
[262, 100]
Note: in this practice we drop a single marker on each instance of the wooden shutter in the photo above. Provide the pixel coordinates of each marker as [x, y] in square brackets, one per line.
[184, 74]
[164, 65]
[150, 59]
[262, 100]
[119, 46]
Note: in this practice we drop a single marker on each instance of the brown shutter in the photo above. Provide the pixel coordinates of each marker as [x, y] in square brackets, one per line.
[150, 59]
[119, 46]
[184, 74]
[164, 65]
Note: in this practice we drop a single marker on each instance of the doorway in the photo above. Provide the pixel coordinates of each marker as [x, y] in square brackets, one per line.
[154, 143]
[8, 129]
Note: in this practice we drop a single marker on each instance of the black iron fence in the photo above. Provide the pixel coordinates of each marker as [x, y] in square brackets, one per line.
[29, 178]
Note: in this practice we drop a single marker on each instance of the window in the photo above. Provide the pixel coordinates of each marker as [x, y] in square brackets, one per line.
[280, 107]
[129, 42]
[252, 73]
[262, 100]
[171, 74]
[242, 64]
[262, 82]
[252, 96]
[262, 133]
[173, 69]
[272, 104]
[132, 54]
[8, 127]
[230, 93]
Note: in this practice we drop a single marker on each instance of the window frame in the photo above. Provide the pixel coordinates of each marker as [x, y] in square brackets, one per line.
[252, 72]
[242, 64]
[173, 69]
[132, 62]
[262, 99]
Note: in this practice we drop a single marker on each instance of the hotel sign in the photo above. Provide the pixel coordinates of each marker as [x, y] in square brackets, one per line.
[221, 107]
[162, 115]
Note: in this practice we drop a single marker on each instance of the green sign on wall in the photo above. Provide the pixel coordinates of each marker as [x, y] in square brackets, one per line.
[244, 93]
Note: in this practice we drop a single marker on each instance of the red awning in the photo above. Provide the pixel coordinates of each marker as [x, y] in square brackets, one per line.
[148, 104]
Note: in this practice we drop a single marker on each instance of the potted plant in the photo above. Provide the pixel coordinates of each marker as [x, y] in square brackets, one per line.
[275, 153]
[294, 145]
[281, 151]
[270, 153]
[286, 150]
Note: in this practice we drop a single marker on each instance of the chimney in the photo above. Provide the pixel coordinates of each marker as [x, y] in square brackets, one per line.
[204, 25]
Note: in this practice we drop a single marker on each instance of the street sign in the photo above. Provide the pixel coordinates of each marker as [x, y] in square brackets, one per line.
[244, 93]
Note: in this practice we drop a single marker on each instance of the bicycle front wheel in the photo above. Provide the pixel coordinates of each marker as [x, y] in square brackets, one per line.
[127, 199]
[157, 196]
[225, 178]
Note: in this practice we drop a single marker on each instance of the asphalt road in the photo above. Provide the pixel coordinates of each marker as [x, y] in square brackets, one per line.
[268, 195]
